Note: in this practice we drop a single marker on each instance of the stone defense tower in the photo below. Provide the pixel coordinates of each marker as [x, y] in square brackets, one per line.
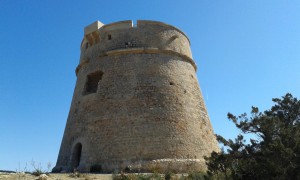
[137, 102]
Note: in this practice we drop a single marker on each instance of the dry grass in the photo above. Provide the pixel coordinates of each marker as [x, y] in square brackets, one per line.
[54, 176]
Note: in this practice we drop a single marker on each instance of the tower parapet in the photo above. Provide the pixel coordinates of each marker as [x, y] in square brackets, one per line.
[124, 37]
[137, 102]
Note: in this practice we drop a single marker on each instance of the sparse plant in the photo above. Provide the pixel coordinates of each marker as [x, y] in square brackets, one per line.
[155, 168]
[121, 176]
[20, 172]
[155, 176]
[197, 176]
[77, 174]
[171, 168]
[49, 165]
[132, 176]
[38, 169]
[168, 175]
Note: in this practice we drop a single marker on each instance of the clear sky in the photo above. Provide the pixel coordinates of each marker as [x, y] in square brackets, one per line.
[247, 52]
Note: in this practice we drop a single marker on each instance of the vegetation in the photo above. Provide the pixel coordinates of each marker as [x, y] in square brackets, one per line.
[156, 176]
[77, 174]
[138, 176]
[38, 170]
[274, 153]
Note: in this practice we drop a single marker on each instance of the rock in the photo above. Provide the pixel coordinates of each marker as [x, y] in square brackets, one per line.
[21, 173]
[43, 177]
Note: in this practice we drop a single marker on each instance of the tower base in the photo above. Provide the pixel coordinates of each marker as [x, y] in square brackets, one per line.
[158, 166]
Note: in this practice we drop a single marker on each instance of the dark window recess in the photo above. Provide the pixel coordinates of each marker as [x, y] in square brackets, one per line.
[127, 44]
[92, 81]
[172, 83]
[109, 37]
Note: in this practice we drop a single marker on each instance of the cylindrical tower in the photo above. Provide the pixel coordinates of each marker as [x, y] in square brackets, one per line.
[137, 102]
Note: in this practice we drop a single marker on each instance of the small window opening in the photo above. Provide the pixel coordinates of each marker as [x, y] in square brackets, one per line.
[173, 38]
[127, 44]
[171, 83]
[86, 45]
[92, 81]
[76, 155]
[109, 37]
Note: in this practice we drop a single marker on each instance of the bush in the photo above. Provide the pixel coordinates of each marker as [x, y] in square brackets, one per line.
[274, 153]
[197, 176]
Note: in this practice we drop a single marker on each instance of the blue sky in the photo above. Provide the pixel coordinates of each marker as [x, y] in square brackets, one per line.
[247, 53]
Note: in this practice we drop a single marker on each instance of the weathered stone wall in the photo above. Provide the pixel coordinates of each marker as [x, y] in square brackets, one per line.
[147, 107]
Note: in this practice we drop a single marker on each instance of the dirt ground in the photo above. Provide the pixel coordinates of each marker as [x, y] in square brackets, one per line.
[54, 176]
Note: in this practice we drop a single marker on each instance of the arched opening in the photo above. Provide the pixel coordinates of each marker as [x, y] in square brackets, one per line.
[76, 155]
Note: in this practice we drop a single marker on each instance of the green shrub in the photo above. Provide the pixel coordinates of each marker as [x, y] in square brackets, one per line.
[168, 175]
[196, 176]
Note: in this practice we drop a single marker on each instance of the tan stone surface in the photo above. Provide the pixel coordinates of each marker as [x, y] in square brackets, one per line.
[146, 107]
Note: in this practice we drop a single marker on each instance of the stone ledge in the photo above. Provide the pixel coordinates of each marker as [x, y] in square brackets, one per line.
[147, 50]
[150, 50]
